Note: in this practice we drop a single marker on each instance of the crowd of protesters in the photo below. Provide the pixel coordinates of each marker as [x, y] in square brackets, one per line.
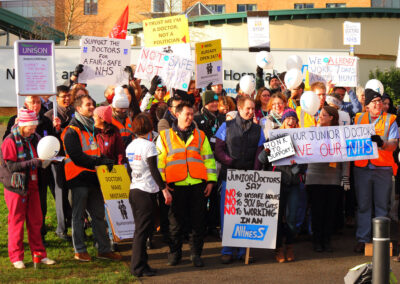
[177, 147]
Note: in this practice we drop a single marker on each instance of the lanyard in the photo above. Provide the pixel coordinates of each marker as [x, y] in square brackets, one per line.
[277, 121]
[376, 121]
[91, 136]
[264, 113]
[294, 104]
[214, 128]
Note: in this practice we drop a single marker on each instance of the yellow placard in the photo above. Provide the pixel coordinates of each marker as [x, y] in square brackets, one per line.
[114, 184]
[166, 31]
[208, 51]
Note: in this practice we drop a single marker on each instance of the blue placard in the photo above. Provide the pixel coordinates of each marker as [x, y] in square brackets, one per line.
[249, 232]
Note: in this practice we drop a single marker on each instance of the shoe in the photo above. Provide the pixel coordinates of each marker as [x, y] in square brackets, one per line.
[148, 273]
[318, 247]
[280, 255]
[64, 237]
[148, 268]
[109, 255]
[289, 253]
[226, 259]
[196, 260]
[19, 264]
[82, 256]
[327, 247]
[173, 259]
[359, 248]
[47, 261]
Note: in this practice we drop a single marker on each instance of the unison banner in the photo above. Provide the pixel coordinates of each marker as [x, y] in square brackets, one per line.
[329, 144]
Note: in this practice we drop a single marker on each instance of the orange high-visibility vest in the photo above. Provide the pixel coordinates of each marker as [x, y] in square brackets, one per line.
[72, 170]
[182, 159]
[124, 130]
[382, 128]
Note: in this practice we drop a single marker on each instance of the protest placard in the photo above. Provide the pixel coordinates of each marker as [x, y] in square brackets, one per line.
[258, 30]
[341, 70]
[351, 33]
[104, 60]
[180, 49]
[208, 63]
[174, 70]
[251, 209]
[34, 67]
[329, 144]
[115, 188]
[280, 148]
[166, 31]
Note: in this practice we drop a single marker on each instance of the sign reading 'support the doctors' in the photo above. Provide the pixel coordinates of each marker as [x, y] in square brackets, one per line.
[251, 209]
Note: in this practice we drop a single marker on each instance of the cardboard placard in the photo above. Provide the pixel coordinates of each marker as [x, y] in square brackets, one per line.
[34, 67]
[115, 188]
[251, 209]
[280, 148]
[104, 60]
[341, 70]
[329, 144]
[208, 63]
[351, 33]
[258, 30]
[166, 31]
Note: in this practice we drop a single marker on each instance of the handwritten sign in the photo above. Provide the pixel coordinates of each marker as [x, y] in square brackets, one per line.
[174, 70]
[166, 31]
[34, 67]
[104, 60]
[258, 30]
[280, 148]
[251, 209]
[351, 33]
[329, 144]
[208, 63]
[115, 188]
[341, 70]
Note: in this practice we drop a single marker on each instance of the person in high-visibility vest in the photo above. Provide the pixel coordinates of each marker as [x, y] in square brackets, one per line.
[120, 117]
[186, 163]
[82, 155]
[306, 119]
[373, 178]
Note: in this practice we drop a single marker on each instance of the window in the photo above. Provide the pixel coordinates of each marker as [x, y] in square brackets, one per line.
[246, 7]
[385, 3]
[217, 9]
[304, 5]
[335, 5]
[90, 7]
[158, 5]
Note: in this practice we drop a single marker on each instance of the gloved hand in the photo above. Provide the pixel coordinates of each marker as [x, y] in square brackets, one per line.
[128, 69]
[154, 82]
[346, 183]
[377, 139]
[208, 88]
[268, 152]
[78, 70]
[259, 72]
[107, 162]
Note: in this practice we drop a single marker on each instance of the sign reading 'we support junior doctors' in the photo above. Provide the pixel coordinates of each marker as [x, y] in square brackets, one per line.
[329, 144]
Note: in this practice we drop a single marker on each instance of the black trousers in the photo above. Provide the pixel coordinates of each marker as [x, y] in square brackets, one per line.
[324, 200]
[213, 208]
[143, 206]
[188, 205]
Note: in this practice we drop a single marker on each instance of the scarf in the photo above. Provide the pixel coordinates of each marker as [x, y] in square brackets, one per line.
[19, 141]
[65, 113]
[88, 122]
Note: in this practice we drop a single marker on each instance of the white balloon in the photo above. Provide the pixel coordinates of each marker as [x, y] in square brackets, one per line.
[48, 147]
[309, 102]
[265, 60]
[119, 91]
[375, 85]
[247, 84]
[294, 61]
[293, 78]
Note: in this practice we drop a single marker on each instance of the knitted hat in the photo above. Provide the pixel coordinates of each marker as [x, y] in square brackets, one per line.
[370, 95]
[120, 99]
[27, 117]
[209, 96]
[104, 112]
[289, 113]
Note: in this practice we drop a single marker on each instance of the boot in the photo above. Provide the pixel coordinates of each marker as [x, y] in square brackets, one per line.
[289, 253]
[280, 255]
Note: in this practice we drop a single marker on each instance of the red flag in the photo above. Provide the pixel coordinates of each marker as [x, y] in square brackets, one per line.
[121, 26]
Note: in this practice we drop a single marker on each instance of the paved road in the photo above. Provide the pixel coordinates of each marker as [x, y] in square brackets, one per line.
[309, 267]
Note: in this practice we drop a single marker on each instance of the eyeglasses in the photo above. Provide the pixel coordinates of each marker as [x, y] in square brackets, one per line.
[379, 101]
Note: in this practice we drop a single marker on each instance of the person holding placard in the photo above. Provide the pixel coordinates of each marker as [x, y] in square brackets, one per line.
[261, 100]
[352, 107]
[120, 117]
[373, 178]
[306, 119]
[276, 106]
[238, 143]
[324, 181]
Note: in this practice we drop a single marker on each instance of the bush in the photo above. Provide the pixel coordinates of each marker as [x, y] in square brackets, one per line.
[390, 79]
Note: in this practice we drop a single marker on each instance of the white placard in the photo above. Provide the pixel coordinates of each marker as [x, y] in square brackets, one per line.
[120, 213]
[209, 73]
[258, 32]
[280, 148]
[329, 144]
[104, 60]
[175, 71]
[351, 33]
[341, 70]
[181, 49]
[34, 67]
[251, 209]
